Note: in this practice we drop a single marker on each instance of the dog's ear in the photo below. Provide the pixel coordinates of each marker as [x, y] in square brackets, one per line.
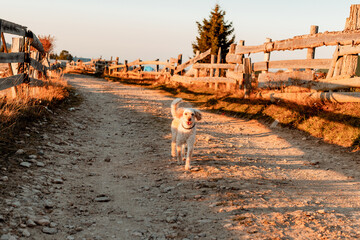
[198, 115]
[179, 112]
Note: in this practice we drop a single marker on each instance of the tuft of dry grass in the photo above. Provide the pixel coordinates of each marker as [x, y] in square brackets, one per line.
[29, 103]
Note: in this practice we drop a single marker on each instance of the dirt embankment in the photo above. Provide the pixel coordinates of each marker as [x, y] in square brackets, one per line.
[103, 170]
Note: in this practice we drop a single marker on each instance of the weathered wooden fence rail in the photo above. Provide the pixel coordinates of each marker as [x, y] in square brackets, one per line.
[297, 77]
[25, 66]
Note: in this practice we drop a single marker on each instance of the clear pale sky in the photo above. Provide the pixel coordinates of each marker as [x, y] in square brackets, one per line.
[165, 28]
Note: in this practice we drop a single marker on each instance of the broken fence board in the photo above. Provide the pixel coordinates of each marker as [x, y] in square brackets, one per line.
[192, 61]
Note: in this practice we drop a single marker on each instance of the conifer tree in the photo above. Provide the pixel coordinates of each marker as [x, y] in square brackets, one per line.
[214, 33]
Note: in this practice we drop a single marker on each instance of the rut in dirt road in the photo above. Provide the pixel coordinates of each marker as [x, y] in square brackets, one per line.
[108, 174]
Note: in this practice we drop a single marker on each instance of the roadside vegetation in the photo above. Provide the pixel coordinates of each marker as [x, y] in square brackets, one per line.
[30, 104]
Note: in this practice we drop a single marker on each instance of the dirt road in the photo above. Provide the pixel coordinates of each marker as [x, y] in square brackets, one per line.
[103, 171]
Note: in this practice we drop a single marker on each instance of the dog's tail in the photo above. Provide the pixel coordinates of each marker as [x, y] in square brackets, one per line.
[174, 106]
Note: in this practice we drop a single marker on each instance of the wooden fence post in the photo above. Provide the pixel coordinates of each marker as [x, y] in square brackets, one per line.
[17, 45]
[6, 51]
[217, 70]
[347, 64]
[247, 77]
[311, 51]
[267, 56]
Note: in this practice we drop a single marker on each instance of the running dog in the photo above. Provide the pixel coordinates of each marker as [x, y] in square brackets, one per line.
[183, 129]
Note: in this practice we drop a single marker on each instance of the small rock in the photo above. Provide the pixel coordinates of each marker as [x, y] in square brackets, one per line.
[102, 198]
[172, 219]
[40, 164]
[57, 181]
[2, 219]
[48, 204]
[25, 164]
[167, 189]
[8, 237]
[107, 159]
[195, 169]
[32, 156]
[314, 162]
[43, 222]
[49, 230]
[53, 225]
[25, 232]
[20, 152]
[30, 223]
[16, 204]
[4, 178]
[321, 211]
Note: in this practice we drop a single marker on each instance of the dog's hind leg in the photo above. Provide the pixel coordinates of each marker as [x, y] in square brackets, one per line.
[173, 143]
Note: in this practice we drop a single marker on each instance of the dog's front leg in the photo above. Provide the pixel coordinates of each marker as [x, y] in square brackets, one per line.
[179, 153]
[190, 151]
[183, 152]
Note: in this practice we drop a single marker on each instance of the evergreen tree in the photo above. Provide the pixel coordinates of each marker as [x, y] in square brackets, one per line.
[214, 33]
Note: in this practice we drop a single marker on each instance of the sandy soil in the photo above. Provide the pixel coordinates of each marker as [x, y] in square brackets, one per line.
[103, 170]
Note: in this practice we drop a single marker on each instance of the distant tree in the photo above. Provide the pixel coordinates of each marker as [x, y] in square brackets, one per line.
[65, 55]
[48, 42]
[214, 33]
[53, 56]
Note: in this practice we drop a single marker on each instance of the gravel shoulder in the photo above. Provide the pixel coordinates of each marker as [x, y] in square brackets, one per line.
[103, 170]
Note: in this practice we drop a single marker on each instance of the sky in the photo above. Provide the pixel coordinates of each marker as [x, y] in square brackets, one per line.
[160, 29]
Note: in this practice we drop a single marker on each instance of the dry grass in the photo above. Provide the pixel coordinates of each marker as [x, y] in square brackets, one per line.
[30, 103]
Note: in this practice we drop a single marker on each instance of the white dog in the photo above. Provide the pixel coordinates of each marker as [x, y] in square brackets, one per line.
[183, 129]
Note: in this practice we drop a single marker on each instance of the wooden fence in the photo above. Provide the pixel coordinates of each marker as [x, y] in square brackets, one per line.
[24, 65]
[298, 79]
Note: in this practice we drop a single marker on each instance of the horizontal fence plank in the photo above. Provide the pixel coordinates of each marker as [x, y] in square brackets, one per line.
[184, 79]
[166, 64]
[11, 81]
[349, 50]
[276, 80]
[237, 76]
[12, 28]
[215, 65]
[36, 65]
[291, 64]
[234, 58]
[337, 83]
[18, 57]
[338, 97]
[304, 41]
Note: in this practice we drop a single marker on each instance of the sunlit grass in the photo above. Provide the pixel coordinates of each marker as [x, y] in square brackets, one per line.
[29, 102]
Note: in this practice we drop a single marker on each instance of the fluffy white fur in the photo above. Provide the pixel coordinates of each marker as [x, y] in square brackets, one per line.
[183, 129]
